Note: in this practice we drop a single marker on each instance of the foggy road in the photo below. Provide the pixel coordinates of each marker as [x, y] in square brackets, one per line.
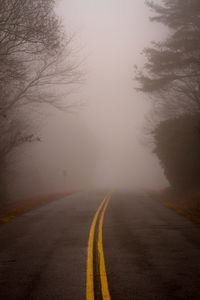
[56, 252]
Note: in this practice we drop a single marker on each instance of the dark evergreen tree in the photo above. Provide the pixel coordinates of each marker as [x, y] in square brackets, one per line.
[172, 71]
[177, 145]
[172, 76]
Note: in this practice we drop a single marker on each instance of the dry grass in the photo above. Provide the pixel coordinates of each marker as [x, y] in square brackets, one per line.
[186, 204]
[17, 208]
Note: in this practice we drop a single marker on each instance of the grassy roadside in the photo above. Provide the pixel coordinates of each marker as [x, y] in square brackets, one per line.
[186, 204]
[17, 208]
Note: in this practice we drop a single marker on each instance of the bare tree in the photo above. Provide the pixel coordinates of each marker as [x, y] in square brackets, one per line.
[37, 66]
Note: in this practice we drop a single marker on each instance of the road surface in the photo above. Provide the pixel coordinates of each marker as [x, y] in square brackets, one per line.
[131, 248]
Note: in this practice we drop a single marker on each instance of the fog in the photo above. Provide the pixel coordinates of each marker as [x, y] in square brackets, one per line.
[102, 142]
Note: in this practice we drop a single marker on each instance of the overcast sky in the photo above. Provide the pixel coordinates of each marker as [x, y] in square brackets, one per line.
[111, 35]
[106, 138]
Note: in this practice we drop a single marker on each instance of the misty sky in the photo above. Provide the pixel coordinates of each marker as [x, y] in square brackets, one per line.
[112, 34]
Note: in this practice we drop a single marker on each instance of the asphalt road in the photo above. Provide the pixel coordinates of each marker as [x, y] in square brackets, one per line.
[150, 252]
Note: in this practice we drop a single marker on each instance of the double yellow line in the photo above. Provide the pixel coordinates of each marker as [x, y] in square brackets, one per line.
[90, 264]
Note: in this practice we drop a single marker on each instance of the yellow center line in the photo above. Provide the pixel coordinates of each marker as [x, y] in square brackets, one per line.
[102, 268]
[90, 268]
[90, 271]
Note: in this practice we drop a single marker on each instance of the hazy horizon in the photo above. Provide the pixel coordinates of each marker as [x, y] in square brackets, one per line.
[109, 37]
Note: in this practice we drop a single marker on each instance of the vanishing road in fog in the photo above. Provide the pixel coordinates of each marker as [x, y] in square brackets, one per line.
[149, 251]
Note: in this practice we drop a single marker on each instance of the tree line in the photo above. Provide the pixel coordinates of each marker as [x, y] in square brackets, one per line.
[171, 76]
